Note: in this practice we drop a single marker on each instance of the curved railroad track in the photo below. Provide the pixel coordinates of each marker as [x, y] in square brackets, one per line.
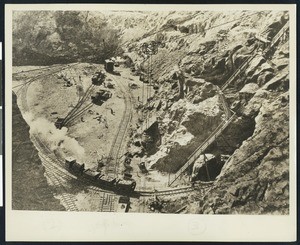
[59, 177]
[56, 173]
[36, 69]
[200, 186]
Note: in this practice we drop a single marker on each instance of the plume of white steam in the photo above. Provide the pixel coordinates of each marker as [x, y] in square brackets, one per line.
[55, 139]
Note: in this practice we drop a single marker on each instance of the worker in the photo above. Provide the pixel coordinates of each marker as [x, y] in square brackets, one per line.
[112, 111]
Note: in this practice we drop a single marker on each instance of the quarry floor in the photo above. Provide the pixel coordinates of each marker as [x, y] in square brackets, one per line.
[86, 138]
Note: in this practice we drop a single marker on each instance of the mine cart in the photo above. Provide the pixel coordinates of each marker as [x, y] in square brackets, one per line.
[106, 181]
[59, 123]
[109, 65]
[91, 174]
[123, 185]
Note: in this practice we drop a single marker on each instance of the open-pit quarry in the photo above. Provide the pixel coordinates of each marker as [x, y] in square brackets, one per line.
[191, 114]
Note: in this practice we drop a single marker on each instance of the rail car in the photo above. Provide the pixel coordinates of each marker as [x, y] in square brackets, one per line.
[90, 174]
[73, 166]
[106, 181]
[125, 185]
[98, 179]
[98, 78]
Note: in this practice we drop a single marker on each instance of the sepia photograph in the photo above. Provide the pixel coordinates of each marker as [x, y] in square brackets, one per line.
[148, 111]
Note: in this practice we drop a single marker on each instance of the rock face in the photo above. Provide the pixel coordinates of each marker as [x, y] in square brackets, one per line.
[30, 190]
[256, 179]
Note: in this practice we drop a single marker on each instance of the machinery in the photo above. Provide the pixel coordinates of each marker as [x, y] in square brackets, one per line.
[98, 78]
[101, 96]
[59, 123]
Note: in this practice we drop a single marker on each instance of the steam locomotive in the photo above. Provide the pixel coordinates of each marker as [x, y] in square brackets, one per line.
[98, 179]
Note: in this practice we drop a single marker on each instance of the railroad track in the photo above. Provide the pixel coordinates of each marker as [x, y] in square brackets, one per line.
[108, 202]
[59, 177]
[24, 86]
[56, 173]
[44, 75]
[36, 69]
[59, 169]
[55, 179]
[176, 191]
[118, 142]
[67, 200]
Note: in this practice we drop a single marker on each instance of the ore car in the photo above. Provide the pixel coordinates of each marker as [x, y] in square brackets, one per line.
[90, 174]
[125, 185]
[106, 181]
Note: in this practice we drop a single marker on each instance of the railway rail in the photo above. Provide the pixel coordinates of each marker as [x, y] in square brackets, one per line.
[175, 191]
[56, 173]
[117, 144]
[59, 177]
[44, 75]
[36, 69]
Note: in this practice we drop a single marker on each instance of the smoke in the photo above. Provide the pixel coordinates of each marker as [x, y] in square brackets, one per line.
[55, 139]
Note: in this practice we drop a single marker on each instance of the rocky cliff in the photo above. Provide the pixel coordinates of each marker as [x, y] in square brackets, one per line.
[255, 179]
[200, 51]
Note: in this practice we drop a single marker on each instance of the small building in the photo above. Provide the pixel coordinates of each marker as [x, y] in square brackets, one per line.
[109, 65]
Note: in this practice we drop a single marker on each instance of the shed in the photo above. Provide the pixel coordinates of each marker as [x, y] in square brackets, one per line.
[109, 65]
